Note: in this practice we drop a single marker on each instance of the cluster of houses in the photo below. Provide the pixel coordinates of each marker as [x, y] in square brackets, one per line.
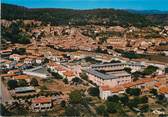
[61, 70]
[16, 61]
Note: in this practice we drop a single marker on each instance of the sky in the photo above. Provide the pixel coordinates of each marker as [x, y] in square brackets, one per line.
[92, 4]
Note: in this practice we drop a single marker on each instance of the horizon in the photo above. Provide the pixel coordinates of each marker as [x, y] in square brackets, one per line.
[140, 5]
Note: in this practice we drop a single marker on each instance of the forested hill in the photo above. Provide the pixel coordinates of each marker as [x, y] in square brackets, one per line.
[75, 17]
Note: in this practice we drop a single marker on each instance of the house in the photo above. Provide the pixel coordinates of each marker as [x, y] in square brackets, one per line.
[5, 53]
[16, 57]
[29, 61]
[9, 64]
[105, 92]
[164, 90]
[39, 60]
[21, 66]
[69, 75]
[16, 71]
[42, 104]
[7, 76]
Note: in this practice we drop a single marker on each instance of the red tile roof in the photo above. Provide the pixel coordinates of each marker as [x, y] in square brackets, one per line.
[163, 90]
[158, 84]
[7, 75]
[21, 77]
[42, 100]
[69, 73]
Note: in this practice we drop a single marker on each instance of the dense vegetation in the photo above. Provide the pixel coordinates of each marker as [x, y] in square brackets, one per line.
[75, 17]
[14, 33]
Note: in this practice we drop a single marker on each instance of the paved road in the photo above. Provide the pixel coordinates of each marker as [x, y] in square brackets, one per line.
[4, 94]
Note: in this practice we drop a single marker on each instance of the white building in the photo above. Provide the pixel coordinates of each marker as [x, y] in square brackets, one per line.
[41, 104]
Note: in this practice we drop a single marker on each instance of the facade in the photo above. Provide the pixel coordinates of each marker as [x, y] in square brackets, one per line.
[144, 84]
[42, 104]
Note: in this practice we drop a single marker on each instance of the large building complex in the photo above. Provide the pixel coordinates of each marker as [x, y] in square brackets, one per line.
[111, 74]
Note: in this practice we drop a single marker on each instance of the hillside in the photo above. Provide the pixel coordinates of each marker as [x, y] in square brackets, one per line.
[108, 17]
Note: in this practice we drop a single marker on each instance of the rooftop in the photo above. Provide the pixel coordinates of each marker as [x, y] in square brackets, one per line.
[19, 77]
[101, 75]
[107, 64]
[41, 100]
[24, 89]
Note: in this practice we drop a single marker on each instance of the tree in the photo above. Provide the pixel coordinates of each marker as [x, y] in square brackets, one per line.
[137, 74]
[115, 61]
[20, 51]
[43, 88]
[77, 80]
[63, 103]
[144, 99]
[133, 103]
[84, 76]
[12, 84]
[124, 99]
[166, 70]
[133, 91]
[65, 80]
[144, 108]
[113, 98]
[153, 91]
[34, 82]
[22, 83]
[56, 75]
[127, 69]
[161, 97]
[19, 109]
[150, 70]
[94, 91]
[71, 111]
[113, 107]
[4, 111]
[101, 110]
[75, 96]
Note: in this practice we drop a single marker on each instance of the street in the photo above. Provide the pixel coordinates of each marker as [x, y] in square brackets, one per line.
[4, 93]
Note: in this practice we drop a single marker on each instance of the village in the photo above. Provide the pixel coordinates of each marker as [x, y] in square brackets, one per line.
[47, 74]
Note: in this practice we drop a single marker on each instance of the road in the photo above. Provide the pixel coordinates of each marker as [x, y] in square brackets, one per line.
[4, 94]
